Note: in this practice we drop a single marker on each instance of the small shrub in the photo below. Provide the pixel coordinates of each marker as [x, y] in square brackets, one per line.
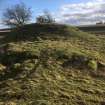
[92, 64]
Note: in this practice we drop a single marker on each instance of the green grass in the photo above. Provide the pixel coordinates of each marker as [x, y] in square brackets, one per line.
[32, 72]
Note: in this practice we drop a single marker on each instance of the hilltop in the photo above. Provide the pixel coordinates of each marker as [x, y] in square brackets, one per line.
[51, 64]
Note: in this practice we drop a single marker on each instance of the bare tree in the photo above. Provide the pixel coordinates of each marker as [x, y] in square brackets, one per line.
[17, 15]
[45, 18]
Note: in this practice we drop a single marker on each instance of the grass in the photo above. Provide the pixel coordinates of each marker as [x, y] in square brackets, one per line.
[32, 71]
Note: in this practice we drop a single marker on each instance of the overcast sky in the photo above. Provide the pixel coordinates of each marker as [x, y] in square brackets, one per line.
[74, 12]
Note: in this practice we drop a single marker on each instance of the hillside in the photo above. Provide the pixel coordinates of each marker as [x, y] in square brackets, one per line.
[51, 64]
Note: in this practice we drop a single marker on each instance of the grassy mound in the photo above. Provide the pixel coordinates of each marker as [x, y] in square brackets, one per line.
[52, 68]
[45, 31]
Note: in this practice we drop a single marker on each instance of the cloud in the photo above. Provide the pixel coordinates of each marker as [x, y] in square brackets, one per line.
[1, 22]
[82, 13]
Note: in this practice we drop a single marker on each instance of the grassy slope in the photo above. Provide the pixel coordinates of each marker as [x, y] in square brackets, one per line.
[31, 72]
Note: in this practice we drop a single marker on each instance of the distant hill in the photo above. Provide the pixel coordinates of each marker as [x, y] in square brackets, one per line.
[95, 29]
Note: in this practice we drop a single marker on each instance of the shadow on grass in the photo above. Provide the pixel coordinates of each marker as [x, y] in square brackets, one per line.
[11, 58]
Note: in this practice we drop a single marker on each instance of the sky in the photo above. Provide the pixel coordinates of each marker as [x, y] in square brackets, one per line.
[73, 12]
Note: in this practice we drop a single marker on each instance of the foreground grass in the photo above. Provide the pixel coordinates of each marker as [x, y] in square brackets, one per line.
[57, 87]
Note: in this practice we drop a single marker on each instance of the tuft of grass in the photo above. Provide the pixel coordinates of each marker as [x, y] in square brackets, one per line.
[92, 64]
